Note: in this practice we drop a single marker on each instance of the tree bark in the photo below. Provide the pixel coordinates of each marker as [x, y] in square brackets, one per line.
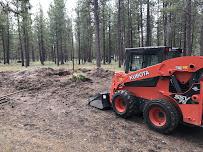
[20, 37]
[158, 26]
[189, 27]
[129, 31]
[57, 50]
[41, 38]
[148, 34]
[61, 50]
[141, 23]
[8, 40]
[3, 44]
[169, 29]
[110, 45]
[79, 48]
[185, 36]
[33, 53]
[165, 20]
[78, 36]
[103, 32]
[119, 33]
[96, 16]
[25, 33]
[201, 38]
[73, 53]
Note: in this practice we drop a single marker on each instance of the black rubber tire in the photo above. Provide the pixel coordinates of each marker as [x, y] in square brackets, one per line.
[172, 116]
[132, 104]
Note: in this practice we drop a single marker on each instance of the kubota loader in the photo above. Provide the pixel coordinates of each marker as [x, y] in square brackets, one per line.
[160, 83]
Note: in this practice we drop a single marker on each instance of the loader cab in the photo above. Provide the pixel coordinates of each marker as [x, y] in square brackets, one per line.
[138, 58]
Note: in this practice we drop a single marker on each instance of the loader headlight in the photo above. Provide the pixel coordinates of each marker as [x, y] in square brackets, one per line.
[104, 97]
[181, 67]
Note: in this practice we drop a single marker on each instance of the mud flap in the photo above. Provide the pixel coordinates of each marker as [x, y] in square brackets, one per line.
[100, 101]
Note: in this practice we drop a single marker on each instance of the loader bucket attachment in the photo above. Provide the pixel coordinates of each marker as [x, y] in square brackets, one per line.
[100, 101]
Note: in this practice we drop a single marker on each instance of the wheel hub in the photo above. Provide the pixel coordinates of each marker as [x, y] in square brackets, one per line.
[157, 116]
[120, 105]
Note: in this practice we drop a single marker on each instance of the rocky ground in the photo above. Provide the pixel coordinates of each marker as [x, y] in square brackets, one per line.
[50, 113]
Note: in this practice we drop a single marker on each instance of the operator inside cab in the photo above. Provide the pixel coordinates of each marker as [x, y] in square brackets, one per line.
[142, 61]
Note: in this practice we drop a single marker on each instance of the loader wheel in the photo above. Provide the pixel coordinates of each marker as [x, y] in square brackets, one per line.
[125, 104]
[161, 116]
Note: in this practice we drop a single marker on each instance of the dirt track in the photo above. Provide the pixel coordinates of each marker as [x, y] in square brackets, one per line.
[52, 115]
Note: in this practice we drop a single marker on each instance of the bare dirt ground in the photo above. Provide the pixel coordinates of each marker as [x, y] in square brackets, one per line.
[53, 115]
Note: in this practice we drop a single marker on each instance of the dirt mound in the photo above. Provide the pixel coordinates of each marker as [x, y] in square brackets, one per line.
[36, 79]
[84, 70]
[32, 84]
[45, 78]
[42, 72]
[101, 73]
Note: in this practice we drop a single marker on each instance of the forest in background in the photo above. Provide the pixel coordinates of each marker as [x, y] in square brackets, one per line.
[100, 32]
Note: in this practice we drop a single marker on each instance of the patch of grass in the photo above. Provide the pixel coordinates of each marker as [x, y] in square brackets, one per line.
[80, 77]
[35, 65]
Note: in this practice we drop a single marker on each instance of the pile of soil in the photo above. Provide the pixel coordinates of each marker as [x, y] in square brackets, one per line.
[83, 70]
[101, 73]
[52, 114]
[37, 79]
[42, 72]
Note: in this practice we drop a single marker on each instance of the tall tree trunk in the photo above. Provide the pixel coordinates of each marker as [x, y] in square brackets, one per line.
[158, 26]
[33, 53]
[73, 52]
[185, 36]
[25, 33]
[42, 48]
[90, 36]
[174, 35]
[110, 45]
[20, 37]
[129, 31]
[79, 48]
[3, 44]
[61, 50]
[158, 34]
[78, 36]
[119, 33]
[148, 34]
[96, 16]
[138, 30]
[57, 49]
[165, 20]
[103, 32]
[141, 23]
[169, 29]
[54, 56]
[8, 39]
[201, 38]
[189, 27]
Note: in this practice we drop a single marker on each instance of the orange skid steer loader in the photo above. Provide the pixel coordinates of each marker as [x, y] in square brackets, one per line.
[158, 82]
